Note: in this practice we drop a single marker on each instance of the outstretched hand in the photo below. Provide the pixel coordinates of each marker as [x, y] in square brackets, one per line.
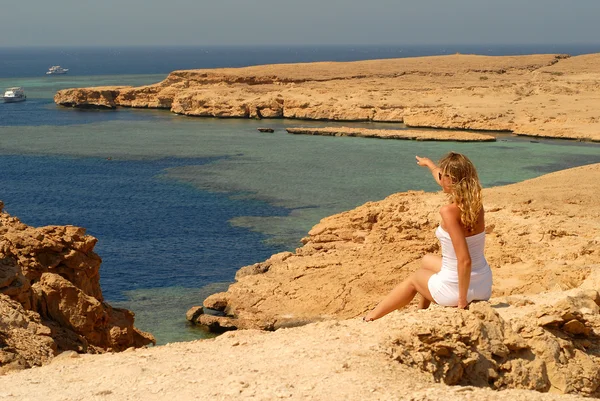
[423, 161]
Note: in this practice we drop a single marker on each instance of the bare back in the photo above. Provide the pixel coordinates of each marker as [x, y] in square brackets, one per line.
[479, 227]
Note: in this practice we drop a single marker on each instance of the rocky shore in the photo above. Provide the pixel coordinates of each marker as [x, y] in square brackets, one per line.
[50, 297]
[536, 339]
[552, 96]
[543, 235]
[417, 135]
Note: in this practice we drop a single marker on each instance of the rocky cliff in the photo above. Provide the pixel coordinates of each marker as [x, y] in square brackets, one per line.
[538, 95]
[50, 297]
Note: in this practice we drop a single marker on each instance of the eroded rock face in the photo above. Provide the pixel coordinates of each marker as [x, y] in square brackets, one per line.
[52, 273]
[538, 95]
[99, 98]
[479, 347]
[24, 340]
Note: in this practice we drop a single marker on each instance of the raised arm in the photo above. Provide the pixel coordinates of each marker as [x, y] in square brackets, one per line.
[451, 222]
[433, 168]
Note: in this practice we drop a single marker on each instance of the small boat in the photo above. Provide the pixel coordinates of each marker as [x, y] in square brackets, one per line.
[56, 70]
[12, 95]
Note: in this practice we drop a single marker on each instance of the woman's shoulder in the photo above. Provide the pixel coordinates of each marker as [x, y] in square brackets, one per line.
[450, 210]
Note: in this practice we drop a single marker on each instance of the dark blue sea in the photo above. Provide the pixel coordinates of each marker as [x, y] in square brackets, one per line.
[32, 62]
[179, 204]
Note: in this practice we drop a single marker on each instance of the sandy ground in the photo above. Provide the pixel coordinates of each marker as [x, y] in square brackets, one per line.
[322, 361]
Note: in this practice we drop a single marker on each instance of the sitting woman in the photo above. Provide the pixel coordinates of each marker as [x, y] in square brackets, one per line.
[461, 274]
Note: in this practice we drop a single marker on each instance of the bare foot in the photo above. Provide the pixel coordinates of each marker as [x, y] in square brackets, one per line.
[368, 317]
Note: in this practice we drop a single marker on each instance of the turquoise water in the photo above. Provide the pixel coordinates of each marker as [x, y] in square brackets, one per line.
[179, 204]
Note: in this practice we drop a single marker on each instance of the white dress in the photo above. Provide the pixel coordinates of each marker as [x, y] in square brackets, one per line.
[443, 286]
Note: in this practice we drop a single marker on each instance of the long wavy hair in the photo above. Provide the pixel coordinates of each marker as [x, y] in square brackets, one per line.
[466, 189]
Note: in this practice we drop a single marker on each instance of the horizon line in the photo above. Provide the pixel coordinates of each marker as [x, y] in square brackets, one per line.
[294, 45]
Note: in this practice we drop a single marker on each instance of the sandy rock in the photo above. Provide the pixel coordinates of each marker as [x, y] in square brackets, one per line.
[478, 347]
[62, 302]
[350, 260]
[395, 134]
[217, 324]
[102, 97]
[216, 301]
[350, 360]
[24, 340]
[53, 273]
[193, 313]
[537, 95]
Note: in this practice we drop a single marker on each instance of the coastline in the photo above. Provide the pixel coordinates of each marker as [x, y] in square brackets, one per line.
[538, 332]
[431, 135]
[552, 96]
[543, 318]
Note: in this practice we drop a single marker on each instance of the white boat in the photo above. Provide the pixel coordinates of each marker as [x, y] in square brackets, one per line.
[12, 95]
[56, 70]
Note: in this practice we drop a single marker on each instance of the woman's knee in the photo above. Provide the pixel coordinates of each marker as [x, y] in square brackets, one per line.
[431, 262]
[420, 281]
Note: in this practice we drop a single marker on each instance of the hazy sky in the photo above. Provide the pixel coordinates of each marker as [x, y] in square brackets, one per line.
[264, 22]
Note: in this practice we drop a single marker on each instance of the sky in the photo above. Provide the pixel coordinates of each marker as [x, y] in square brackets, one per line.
[298, 22]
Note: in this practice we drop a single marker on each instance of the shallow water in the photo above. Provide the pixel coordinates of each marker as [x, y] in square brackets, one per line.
[179, 204]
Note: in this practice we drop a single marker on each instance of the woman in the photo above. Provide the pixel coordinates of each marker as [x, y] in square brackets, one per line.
[461, 274]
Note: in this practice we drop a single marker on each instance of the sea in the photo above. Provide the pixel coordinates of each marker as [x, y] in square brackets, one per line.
[179, 204]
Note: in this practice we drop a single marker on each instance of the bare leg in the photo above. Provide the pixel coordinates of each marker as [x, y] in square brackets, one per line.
[433, 263]
[424, 302]
[403, 293]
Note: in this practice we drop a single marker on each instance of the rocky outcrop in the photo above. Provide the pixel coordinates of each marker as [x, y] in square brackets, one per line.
[24, 340]
[538, 95]
[99, 98]
[547, 347]
[540, 331]
[348, 261]
[49, 282]
[430, 135]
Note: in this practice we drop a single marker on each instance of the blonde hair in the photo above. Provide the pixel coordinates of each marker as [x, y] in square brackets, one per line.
[466, 189]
